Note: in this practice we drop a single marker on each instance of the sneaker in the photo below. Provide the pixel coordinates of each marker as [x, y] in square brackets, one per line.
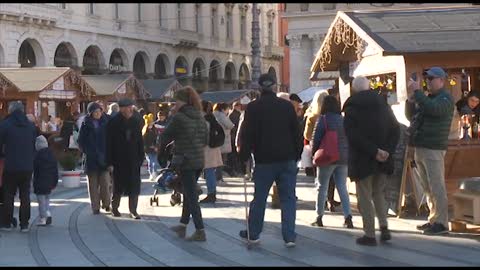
[49, 220]
[42, 222]
[24, 229]
[424, 226]
[318, 222]
[180, 229]
[243, 234]
[198, 235]
[436, 229]
[385, 234]
[115, 213]
[366, 241]
[6, 228]
[290, 244]
[348, 222]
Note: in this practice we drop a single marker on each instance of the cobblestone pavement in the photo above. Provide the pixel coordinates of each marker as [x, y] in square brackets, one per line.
[78, 238]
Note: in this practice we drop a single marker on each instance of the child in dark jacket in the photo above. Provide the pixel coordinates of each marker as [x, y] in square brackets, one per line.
[45, 178]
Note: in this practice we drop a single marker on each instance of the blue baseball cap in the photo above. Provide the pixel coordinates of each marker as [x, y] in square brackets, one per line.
[436, 72]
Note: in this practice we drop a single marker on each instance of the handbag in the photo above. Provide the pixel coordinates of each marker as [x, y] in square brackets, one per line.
[328, 152]
[306, 160]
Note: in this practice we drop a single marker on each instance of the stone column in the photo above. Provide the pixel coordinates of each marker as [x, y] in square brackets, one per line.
[316, 39]
[297, 62]
[204, 84]
[220, 84]
[235, 84]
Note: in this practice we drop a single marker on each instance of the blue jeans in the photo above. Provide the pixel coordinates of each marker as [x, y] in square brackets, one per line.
[285, 176]
[321, 182]
[43, 205]
[211, 180]
[190, 206]
[152, 163]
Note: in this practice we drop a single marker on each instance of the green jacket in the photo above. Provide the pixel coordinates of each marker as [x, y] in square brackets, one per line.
[434, 115]
[189, 131]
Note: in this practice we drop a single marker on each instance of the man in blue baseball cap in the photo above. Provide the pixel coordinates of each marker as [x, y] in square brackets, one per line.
[430, 118]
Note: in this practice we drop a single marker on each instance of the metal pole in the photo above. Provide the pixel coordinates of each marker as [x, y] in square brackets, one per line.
[255, 48]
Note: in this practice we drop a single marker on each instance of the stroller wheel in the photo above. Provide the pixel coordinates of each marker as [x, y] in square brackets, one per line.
[157, 202]
[151, 201]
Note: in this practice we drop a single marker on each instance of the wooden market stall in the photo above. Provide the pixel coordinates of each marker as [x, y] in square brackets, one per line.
[388, 46]
[228, 96]
[111, 88]
[44, 91]
[161, 94]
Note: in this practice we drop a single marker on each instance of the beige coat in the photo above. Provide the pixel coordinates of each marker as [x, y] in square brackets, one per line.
[227, 126]
[309, 127]
[213, 156]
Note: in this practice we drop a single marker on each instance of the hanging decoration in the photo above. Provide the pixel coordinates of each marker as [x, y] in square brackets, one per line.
[341, 33]
[68, 104]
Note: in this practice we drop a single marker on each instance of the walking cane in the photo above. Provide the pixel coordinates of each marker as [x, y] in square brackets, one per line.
[246, 212]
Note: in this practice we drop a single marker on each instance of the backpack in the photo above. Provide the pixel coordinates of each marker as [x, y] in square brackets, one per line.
[216, 136]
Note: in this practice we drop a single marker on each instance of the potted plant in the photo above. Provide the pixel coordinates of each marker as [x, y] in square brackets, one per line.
[70, 177]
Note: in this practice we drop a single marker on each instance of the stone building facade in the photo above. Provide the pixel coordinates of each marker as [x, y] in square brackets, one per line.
[207, 45]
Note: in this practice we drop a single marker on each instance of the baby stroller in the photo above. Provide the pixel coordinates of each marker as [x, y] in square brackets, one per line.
[168, 180]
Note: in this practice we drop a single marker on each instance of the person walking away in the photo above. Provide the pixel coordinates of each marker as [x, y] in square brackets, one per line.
[431, 118]
[150, 136]
[17, 139]
[68, 129]
[124, 157]
[233, 160]
[311, 116]
[331, 119]
[188, 130]
[45, 179]
[373, 133]
[92, 142]
[213, 154]
[270, 131]
[220, 111]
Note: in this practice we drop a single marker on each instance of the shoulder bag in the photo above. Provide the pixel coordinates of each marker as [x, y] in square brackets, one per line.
[327, 153]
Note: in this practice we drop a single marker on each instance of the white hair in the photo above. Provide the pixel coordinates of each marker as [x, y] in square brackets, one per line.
[283, 95]
[113, 108]
[15, 105]
[360, 83]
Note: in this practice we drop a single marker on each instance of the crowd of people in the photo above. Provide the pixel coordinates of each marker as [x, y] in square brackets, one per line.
[269, 135]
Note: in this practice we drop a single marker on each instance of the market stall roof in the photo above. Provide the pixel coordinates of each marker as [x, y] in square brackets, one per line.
[224, 96]
[402, 31]
[33, 79]
[307, 94]
[108, 84]
[161, 88]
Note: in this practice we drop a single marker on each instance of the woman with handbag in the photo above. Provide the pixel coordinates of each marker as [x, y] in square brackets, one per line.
[331, 156]
[188, 130]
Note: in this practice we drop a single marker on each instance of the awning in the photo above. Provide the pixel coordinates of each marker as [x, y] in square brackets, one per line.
[224, 96]
[307, 94]
[107, 84]
[58, 94]
[159, 89]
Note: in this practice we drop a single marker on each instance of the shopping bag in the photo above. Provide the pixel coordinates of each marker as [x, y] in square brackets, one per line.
[306, 160]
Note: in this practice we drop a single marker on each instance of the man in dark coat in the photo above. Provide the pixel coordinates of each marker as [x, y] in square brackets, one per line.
[92, 142]
[271, 132]
[124, 156]
[17, 138]
[373, 133]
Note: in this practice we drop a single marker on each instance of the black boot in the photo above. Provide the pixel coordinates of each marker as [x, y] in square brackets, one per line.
[115, 204]
[318, 222]
[211, 198]
[132, 206]
[385, 234]
[348, 222]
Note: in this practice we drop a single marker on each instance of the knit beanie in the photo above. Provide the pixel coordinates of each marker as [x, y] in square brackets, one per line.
[92, 106]
[40, 143]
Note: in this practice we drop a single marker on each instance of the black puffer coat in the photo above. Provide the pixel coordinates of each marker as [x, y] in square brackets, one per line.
[45, 172]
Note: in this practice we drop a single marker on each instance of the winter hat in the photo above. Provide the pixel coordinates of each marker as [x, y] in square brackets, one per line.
[93, 106]
[266, 81]
[125, 102]
[41, 142]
